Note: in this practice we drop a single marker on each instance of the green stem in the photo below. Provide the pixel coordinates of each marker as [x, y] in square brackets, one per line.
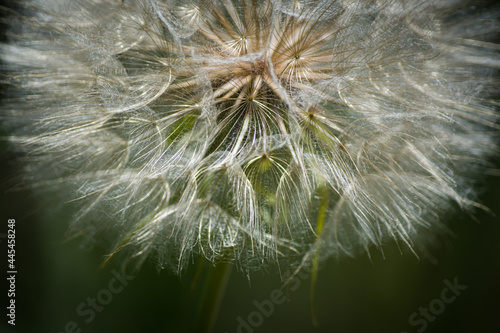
[211, 297]
[323, 204]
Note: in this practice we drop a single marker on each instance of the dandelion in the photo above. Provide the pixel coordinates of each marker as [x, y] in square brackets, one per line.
[251, 131]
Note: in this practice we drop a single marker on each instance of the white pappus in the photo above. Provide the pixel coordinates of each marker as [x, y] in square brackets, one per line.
[253, 130]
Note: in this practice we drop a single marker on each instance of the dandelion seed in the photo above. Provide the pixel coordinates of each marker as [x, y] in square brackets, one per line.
[247, 131]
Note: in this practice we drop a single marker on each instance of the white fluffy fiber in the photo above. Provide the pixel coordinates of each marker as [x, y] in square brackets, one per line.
[253, 130]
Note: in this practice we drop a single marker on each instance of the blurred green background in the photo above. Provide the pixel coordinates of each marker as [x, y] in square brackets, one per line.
[354, 294]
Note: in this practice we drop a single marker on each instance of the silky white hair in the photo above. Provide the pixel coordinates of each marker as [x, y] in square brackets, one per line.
[254, 130]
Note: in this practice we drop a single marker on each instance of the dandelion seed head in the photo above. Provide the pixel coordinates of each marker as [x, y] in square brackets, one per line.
[250, 131]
